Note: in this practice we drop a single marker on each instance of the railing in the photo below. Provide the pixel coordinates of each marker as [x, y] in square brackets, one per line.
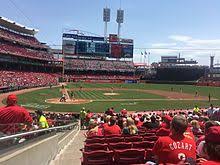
[73, 125]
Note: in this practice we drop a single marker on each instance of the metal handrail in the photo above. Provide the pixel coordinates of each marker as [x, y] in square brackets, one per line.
[34, 132]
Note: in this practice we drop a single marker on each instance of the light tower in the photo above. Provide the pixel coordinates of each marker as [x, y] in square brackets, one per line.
[106, 19]
[119, 20]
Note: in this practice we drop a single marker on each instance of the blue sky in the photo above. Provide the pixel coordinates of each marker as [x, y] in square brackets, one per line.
[186, 25]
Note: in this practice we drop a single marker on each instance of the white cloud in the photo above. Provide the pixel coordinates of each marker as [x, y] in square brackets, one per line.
[189, 48]
[181, 38]
[215, 43]
[163, 44]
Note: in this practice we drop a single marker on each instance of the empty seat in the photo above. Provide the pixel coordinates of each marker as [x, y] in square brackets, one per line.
[98, 158]
[143, 145]
[115, 139]
[150, 138]
[120, 146]
[133, 139]
[94, 137]
[129, 156]
[95, 146]
[95, 140]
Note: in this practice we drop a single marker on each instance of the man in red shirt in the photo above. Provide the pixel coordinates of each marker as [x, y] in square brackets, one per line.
[212, 143]
[176, 147]
[112, 128]
[12, 116]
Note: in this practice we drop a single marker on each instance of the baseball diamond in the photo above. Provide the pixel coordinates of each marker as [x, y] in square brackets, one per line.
[145, 96]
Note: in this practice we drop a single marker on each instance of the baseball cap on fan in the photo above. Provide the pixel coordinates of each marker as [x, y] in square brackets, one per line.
[213, 135]
[11, 99]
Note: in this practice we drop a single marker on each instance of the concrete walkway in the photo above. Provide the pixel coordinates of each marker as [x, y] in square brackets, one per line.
[71, 153]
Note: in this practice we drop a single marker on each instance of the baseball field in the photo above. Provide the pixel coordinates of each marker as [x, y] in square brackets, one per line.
[133, 97]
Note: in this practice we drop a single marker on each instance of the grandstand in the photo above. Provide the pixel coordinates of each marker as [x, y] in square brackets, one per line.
[44, 79]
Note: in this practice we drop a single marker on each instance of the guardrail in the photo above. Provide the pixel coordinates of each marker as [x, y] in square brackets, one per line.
[5, 138]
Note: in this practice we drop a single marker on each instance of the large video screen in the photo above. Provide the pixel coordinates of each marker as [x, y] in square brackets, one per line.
[127, 51]
[69, 47]
[102, 48]
[116, 51]
[92, 48]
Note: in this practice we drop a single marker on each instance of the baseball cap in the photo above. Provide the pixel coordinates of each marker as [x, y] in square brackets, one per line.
[168, 118]
[12, 97]
[213, 134]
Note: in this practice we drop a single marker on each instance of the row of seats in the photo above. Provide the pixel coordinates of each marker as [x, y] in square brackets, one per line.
[119, 146]
[134, 138]
[6, 48]
[26, 79]
[100, 65]
[27, 40]
[101, 77]
[116, 157]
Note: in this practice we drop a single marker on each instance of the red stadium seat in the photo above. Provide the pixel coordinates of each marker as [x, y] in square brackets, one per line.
[143, 144]
[133, 139]
[114, 139]
[129, 156]
[148, 134]
[94, 137]
[95, 140]
[95, 146]
[119, 146]
[98, 158]
[150, 138]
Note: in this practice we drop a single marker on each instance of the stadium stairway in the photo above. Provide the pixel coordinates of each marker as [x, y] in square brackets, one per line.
[71, 154]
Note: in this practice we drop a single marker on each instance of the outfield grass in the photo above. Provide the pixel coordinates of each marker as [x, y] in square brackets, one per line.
[36, 99]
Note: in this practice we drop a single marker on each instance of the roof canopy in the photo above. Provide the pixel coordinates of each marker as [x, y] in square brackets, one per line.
[4, 22]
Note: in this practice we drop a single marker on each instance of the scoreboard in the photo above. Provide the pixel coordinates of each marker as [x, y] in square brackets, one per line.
[74, 44]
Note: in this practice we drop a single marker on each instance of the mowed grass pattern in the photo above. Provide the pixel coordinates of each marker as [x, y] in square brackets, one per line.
[100, 104]
[123, 94]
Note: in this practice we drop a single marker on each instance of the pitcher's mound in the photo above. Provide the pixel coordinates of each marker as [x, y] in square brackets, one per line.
[68, 101]
[110, 94]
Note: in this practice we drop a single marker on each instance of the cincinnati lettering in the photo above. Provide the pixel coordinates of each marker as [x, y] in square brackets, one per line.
[180, 145]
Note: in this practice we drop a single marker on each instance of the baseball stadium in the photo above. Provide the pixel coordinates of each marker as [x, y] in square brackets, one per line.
[89, 101]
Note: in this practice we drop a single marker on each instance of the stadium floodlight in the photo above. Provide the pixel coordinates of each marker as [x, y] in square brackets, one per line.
[120, 20]
[106, 19]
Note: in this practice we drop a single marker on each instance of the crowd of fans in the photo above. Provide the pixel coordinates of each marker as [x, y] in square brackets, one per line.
[17, 50]
[100, 77]
[16, 119]
[26, 79]
[27, 40]
[106, 65]
[156, 137]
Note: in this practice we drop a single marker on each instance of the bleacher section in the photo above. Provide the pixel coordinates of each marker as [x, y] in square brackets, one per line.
[26, 40]
[100, 65]
[26, 79]
[16, 50]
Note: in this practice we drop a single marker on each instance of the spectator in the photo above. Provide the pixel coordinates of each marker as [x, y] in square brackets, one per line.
[154, 124]
[112, 128]
[41, 119]
[196, 109]
[165, 126]
[124, 112]
[210, 111]
[131, 126]
[176, 147]
[201, 141]
[212, 144]
[94, 130]
[216, 115]
[83, 117]
[12, 114]
[195, 127]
